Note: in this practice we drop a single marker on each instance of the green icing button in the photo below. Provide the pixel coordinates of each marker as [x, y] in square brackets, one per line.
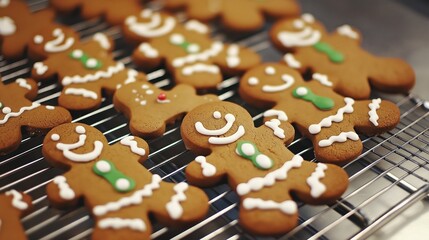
[323, 103]
[334, 56]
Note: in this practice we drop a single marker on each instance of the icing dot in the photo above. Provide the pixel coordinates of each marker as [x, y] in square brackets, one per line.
[270, 71]
[77, 53]
[264, 161]
[149, 92]
[145, 86]
[91, 63]
[38, 39]
[177, 39]
[103, 166]
[57, 32]
[80, 129]
[248, 149]
[55, 137]
[193, 48]
[217, 115]
[136, 99]
[143, 102]
[299, 24]
[301, 91]
[6, 110]
[253, 81]
[134, 91]
[122, 184]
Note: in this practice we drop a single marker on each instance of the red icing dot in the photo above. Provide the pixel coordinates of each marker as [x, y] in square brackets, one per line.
[162, 96]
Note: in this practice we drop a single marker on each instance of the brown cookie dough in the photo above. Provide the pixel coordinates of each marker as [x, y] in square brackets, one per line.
[350, 69]
[325, 117]
[13, 206]
[258, 166]
[186, 49]
[150, 109]
[114, 11]
[84, 70]
[17, 111]
[119, 192]
[18, 25]
[238, 15]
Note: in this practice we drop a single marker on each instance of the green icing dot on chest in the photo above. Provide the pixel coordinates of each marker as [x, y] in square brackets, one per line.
[333, 55]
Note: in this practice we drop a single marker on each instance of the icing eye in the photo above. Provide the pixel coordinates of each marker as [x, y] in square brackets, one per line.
[57, 32]
[38, 39]
[76, 54]
[55, 137]
[177, 39]
[299, 24]
[253, 81]
[270, 70]
[217, 115]
[6, 110]
[193, 48]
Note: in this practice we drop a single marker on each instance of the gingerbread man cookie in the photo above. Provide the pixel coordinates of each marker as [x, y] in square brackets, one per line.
[187, 50]
[84, 70]
[258, 166]
[238, 15]
[349, 69]
[18, 25]
[325, 117]
[13, 206]
[17, 111]
[114, 11]
[150, 109]
[117, 189]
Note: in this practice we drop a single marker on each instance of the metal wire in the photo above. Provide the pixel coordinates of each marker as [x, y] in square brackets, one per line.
[394, 165]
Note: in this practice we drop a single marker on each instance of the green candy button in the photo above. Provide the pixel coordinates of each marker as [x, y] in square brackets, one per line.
[323, 103]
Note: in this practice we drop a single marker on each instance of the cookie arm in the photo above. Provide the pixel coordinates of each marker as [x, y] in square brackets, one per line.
[62, 193]
[348, 32]
[43, 118]
[147, 56]
[235, 59]
[43, 70]
[134, 148]
[76, 98]
[205, 171]
[103, 41]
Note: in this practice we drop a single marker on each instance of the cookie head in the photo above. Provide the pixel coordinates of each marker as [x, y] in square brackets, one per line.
[70, 144]
[215, 125]
[52, 40]
[269, 83]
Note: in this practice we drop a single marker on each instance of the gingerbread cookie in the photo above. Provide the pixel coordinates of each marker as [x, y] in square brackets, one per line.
[150, 109]
[18, 25]
[114, 11]
[350, 70]
[325, 117]
[187, 50]
[13, 206]
[85, 70]
[17, 111]
[238, 15]
[117, 189]
[258, 166]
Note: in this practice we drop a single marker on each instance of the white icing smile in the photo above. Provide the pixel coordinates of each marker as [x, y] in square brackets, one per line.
[230, 120]
[76, 157]
[287, 79]
[58, 44]
[154, 28]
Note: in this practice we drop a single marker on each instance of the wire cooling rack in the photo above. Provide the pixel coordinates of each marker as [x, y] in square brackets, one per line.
[391, 174]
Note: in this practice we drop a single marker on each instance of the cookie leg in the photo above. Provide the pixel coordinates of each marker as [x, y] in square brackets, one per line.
[147, 125]
[199, 75]
[111, 228]
[80, 97]
[10, 137]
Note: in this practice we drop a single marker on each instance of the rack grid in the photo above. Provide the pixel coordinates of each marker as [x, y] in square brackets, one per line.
[390, 175]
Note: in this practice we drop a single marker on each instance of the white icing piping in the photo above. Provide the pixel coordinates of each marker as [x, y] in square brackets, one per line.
[230, 119]
[208, 169]
[230, 139]
[55, 44]
[281, 115]
[17, 114]
[327, 122]
[274, 125]
[17, 200]
[134, 199]
[291, 61]
[288, 79]
[23, 83]
[213, 51]
[81, 92]
[200, 67]
[373, 106]
[317, 187]
[4, 3]
[232, 56]
[102, 39]
[119, 223]
[153, 28]
[129, 141]
[93, 77]
[323, 79]
[66, 192]
[347, 31]
[339, 138]
[194, 25]
[306, 37]
[257, 183]
[148, 50]
[7, 26]
[40, 67]
[173, 207]
[131, 76]
[287, 207]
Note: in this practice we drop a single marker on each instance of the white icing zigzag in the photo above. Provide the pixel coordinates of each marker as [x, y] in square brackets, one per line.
[317, 187]
[17, 114]
[323, 79]
[274, 125]
[339, 138]
[327, 122]
[173, 207]
[81, 92]
[257, 183]
[373, 106]
[129, 141]
[93, 77]
[17, 200]
[135, 199]
[23, 83]
[66, 192]
[208, 169]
